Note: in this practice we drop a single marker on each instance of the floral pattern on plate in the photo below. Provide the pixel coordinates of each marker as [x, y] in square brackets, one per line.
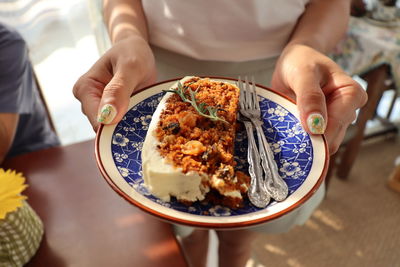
[290, 143]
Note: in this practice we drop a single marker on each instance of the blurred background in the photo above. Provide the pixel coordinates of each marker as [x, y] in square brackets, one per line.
[63, 46]
[357, 225]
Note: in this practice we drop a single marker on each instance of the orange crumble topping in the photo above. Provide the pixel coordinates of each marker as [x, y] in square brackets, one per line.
[196, 143]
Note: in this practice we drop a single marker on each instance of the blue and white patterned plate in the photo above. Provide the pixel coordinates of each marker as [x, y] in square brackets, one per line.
[301, 159]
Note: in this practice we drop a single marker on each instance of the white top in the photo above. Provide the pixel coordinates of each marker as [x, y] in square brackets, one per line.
[222, 30]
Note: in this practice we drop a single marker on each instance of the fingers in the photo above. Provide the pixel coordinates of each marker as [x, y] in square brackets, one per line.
[311, 102]
[115, 99]
[327, 98]
[104, 91]
[336, 131]
[88, 91]
[331, 109]
[103, 103]
[90, 86]
[343, 103]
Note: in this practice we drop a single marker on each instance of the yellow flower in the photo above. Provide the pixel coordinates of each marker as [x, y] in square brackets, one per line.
[11, 186]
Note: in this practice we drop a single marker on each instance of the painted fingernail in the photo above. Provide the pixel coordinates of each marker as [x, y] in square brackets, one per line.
[316, 123]
[106, 114]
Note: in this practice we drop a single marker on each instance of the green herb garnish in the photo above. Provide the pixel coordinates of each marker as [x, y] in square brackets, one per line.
[202, 108]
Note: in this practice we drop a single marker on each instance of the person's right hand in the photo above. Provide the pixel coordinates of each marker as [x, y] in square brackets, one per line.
[326, 96]
[104, 91]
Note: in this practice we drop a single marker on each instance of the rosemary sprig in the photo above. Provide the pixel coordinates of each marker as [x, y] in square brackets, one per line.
[202, 108]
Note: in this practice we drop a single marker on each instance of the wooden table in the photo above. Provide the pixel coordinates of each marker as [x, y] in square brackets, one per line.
[86, 222]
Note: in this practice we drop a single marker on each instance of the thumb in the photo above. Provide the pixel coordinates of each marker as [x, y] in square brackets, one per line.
[115, 99]
[311, 103]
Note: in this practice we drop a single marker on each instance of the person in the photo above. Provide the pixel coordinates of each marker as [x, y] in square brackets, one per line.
[282, 43]
[24, 125]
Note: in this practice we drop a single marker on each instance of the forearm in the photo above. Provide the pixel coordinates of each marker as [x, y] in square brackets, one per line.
[124, 18]
[322, 25]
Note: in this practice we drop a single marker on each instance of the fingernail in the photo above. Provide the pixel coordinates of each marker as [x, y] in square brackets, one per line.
[106, 114]
[316, 123]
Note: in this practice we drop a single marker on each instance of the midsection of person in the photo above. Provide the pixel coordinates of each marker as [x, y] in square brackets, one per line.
[223, 30]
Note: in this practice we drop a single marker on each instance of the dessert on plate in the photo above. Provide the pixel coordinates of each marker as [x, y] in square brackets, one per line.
[188, 152]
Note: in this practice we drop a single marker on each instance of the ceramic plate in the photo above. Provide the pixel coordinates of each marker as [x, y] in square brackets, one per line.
[301, 159]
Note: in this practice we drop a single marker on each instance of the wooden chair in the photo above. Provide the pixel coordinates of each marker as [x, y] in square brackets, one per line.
[394, 178]
[378, 80]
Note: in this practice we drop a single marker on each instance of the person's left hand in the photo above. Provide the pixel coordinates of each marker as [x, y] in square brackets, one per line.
[327, 98]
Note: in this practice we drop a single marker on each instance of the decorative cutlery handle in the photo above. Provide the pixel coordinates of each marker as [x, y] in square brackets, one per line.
[257, 192]
[275, 185]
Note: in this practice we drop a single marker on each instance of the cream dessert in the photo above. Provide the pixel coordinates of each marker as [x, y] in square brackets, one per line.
[188, 149]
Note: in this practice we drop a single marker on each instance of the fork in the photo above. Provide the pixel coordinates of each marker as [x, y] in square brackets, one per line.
[250, 108]
[257, 192]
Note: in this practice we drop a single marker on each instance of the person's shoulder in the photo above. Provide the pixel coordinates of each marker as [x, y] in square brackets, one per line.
[13, 62]
[10, 38]
[14, 51]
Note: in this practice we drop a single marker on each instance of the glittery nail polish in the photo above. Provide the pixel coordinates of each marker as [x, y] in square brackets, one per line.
[316, 123]
[107, 114]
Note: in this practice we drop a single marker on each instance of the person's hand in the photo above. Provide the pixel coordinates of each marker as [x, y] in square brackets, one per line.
[327, 98]
[104, 91]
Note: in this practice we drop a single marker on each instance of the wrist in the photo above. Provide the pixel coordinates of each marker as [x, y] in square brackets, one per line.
[322, 25]
[121, 33]
[310, 43]
[134, 52]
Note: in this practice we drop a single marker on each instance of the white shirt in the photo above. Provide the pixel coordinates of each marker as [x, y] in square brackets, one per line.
[223, 30]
